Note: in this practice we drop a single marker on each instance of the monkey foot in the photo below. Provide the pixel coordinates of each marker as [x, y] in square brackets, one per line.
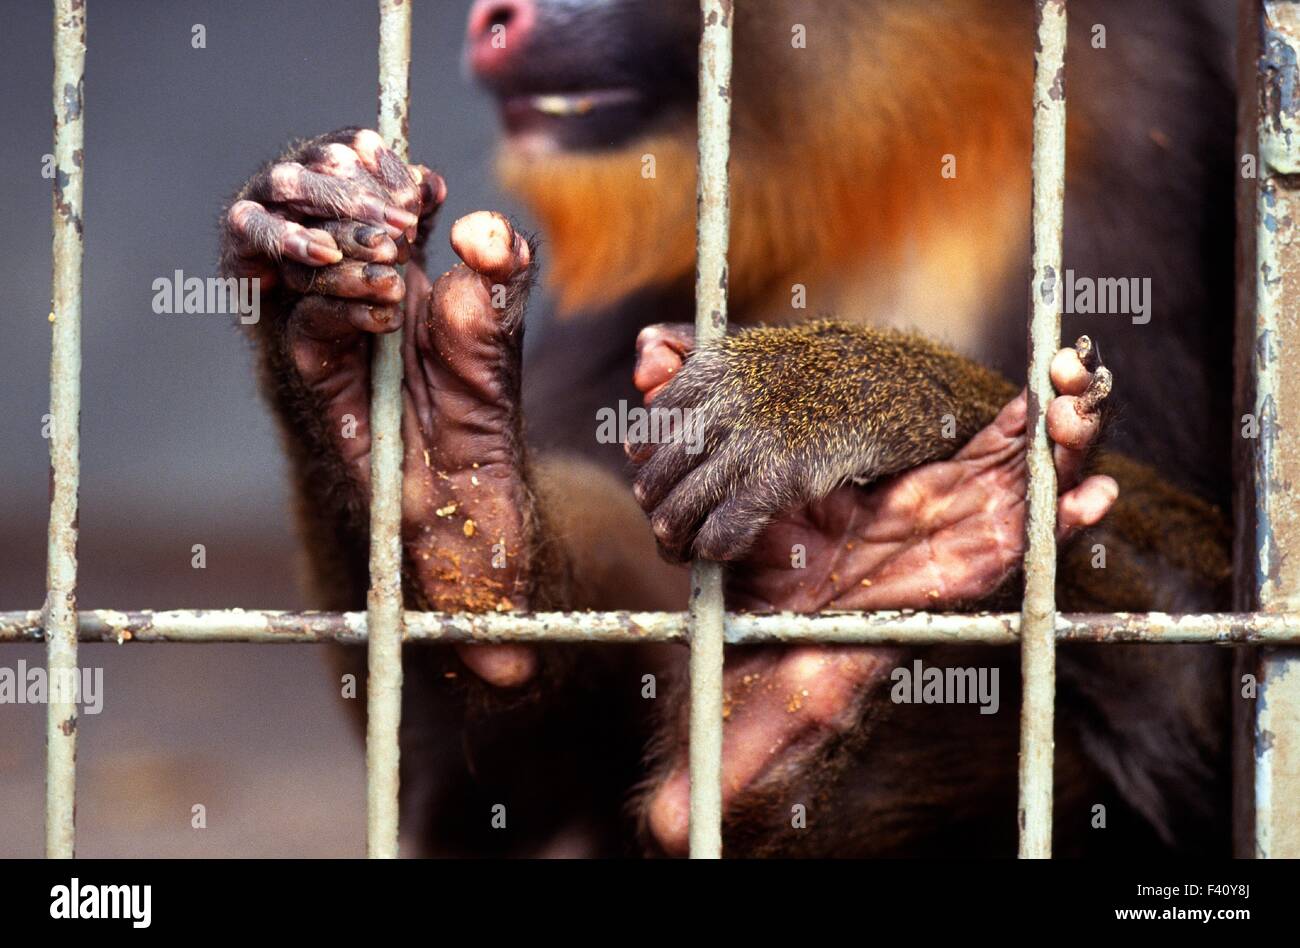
[466, 508]
[781, 706]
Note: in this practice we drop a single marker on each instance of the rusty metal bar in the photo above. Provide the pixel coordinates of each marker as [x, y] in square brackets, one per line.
[706, 605]
[870, 628]
[384, 601]
[1038, 641]
[60, 612]
[1268, 356]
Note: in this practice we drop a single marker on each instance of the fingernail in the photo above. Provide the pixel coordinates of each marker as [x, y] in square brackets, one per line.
[373, 273]
[403, 220]
[368, 236]
[325, 252]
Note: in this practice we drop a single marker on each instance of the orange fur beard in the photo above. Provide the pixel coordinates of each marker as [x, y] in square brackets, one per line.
[847, 194]
[609, 229]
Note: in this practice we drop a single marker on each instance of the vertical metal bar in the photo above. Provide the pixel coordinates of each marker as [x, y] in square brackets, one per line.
[1268, 356]
[384, 601]
[1038, 616]
[706, 608]
[65, 418]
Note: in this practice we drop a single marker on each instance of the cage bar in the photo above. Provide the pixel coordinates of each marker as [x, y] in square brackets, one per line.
[1268, 521]
[60, 612]
[1268, 456]
[1038, 642]
[846, 628]
[706, 604]
[384, 599]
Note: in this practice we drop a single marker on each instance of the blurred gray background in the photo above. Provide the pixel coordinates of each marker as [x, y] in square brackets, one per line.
[176, 446]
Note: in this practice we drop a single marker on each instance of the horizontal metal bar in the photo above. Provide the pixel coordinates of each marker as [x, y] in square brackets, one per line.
[870, 628]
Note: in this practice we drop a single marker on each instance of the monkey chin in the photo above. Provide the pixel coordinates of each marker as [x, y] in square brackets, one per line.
[604, 239]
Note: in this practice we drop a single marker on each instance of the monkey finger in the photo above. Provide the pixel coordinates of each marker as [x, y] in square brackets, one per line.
[433, 190]
[362, 241]
[706, 516]
[332, 158]
[390, 177]
[330, 317]
[1069, 375]
[661, 351]
[354, 279]
[1071, 424]
[658, 476]
[505, 666]
[322, 195]
[731, 529]
[491, 246]
[382, 163]
[1085, 505]
[257, 232]
[638, 452]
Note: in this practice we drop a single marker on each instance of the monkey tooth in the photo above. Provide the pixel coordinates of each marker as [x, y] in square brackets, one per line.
[562, 105]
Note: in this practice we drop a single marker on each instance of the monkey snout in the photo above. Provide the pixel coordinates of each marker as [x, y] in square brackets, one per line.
[496, 33]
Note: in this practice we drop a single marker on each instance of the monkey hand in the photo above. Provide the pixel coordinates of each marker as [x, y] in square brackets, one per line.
[323, 229]
[331, 217]
[770, 421]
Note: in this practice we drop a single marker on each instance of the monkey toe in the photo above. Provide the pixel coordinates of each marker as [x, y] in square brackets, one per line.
[1085, 505]
[491, 246]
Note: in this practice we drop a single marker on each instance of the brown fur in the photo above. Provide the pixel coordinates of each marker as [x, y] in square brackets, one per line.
[950, 81]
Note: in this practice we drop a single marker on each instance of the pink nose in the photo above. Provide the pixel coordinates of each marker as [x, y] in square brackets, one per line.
[496, 32]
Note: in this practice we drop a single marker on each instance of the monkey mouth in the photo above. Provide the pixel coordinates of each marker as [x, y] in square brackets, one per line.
[586, 119]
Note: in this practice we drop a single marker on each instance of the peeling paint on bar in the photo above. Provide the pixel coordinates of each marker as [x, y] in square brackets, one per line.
[1038, 644]
[706, 604]
[871, 628]
[65, 420]
[384, 601]
[1269, 340]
